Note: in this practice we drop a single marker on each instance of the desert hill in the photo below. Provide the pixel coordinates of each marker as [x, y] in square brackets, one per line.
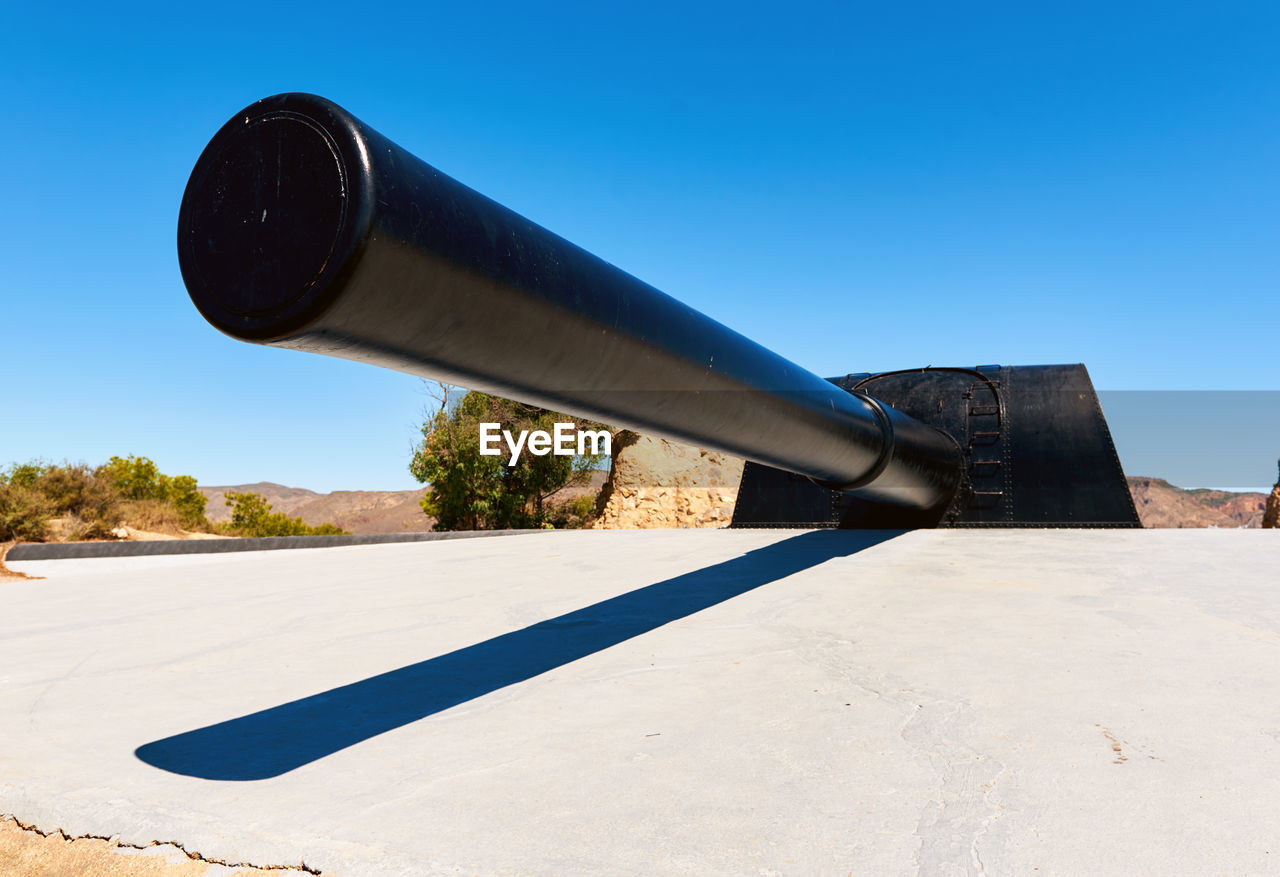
[1161, 504]
[356, 511]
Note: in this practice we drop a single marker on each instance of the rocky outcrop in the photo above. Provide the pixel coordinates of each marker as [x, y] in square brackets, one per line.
[657, 484]
[1271, 517]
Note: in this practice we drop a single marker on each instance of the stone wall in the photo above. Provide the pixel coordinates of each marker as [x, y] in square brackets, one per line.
[657, 484]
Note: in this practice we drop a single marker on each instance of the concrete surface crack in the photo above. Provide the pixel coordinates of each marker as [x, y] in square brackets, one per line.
[115, 842]
[959, 830]
[831, 655]
[961, 821]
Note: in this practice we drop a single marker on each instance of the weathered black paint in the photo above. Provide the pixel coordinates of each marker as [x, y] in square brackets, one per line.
[302, 227]
[1037, 453]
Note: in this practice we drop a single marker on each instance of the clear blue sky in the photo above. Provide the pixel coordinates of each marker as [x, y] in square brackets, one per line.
[858, 186]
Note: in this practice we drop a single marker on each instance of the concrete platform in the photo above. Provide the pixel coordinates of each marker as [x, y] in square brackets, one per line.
[663, 702]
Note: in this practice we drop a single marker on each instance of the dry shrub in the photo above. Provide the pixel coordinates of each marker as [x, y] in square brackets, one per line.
[24, 513]
[572, 513]
[81, 527]
[92, 504]
[41, 502]
[153, 515]
[32, 495]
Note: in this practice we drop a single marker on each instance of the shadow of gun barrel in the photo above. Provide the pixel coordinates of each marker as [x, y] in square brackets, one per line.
[302, 227]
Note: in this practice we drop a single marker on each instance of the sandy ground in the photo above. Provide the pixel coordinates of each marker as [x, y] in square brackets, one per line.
[25, 851]
[5, 572]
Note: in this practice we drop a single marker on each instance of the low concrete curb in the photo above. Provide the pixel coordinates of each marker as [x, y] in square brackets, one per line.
[80, 550]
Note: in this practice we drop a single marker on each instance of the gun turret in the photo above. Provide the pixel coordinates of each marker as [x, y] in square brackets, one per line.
[302, 227]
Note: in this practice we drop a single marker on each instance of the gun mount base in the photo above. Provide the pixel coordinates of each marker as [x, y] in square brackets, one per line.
[1037, 453]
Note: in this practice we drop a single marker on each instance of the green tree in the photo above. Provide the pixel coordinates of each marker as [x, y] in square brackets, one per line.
[186, 497]
[471, 491]
[138, 478]
[251, 515]
[134, 477]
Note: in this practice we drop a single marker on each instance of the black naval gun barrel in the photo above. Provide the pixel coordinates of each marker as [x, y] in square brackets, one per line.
[302, 227]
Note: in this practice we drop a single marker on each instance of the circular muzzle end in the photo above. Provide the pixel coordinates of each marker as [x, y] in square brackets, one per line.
[270, 218]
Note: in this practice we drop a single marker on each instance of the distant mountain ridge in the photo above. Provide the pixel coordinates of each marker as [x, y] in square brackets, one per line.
[356, 511]
[1159, 504]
